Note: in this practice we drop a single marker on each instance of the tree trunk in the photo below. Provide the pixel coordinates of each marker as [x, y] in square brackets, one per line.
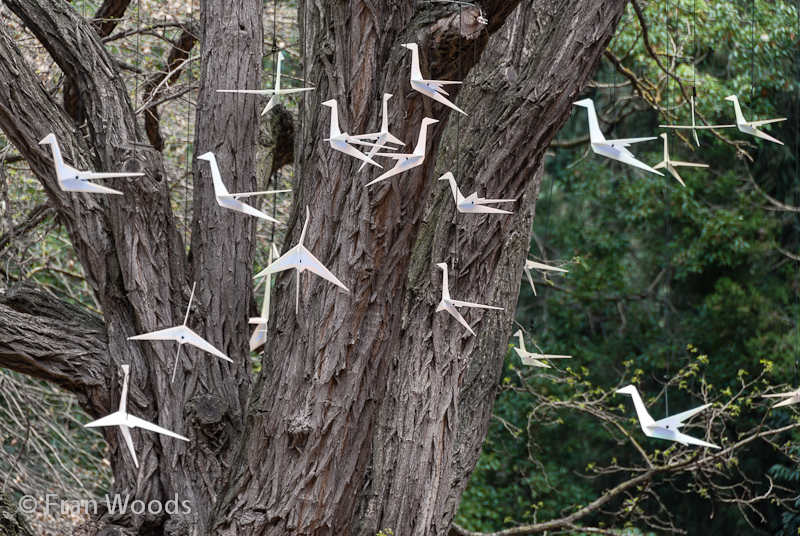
[371, 407]
[11, 522]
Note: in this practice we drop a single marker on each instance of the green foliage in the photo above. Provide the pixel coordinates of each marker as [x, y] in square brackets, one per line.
[638, 307]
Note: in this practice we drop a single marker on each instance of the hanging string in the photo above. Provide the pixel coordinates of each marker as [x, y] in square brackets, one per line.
[547, 217]
[274, 178]
[138, 65]
[668, 357]
[694, 60]
[614, 94]
[188, 134]
[456, 260]
[302, 95]
[796, 184]
[752, 52]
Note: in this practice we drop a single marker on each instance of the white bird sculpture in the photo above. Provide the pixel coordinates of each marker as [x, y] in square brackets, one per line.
[473, 204]
[670, 165]
[694, 126]
[531, 359]
[792, 397]
[274, 92]
[665, 428]
[125, 421]
[182, 335]
[72, 180]
[429, 88]
[750, 127]
[381, 138]
[260, 332]
[613, 149]
[341, 141]
[231, 201]
[408, 161]
[533, 265]
[450, 305]
[301, 260]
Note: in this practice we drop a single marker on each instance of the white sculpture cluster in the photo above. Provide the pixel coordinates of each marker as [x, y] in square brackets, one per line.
[301, 259]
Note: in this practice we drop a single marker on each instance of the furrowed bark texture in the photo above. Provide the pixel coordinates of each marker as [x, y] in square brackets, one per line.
[53, 340]
[11, 521]
[135, 260]
[437, 409]
[371, 407]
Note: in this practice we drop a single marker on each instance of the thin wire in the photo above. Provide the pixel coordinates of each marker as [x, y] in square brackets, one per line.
[796, 180]
[694, 31]
[138, 62]
[550, 200]
[275, 141]
[188, 134]
[666, 241]
[752, 53]
[694, 62]
[456, 260]
[547, 217]
[614, 94]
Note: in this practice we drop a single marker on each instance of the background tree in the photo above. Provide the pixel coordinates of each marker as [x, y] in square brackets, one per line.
[661, 275]
[369, 410]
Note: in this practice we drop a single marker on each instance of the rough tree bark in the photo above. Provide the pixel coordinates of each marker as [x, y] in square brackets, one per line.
[370, 408]
[11, 521]
[372, 403]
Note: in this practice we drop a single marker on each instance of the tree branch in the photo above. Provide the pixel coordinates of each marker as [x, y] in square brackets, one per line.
[107, 16]
[36, 216]
[104, 22]
[46, 338]
[155, 84]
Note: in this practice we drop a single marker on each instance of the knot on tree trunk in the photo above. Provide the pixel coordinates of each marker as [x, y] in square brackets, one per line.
[115, 531]
[100, 528]
[206, 409]
[208, 413]
[178, 527]
[450, 39]
[299, 428]
[276, 140]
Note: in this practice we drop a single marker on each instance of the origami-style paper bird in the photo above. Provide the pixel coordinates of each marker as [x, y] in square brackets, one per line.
[274, 92]
[450, 305]
[301, 260]
[72, 180]
[381, 138]
[665, 428]
[473, 204]
[531, 359]
[613, 149]
[260, 332]
[231, 201]
[670, 165]
[126, 421]
[408, 161]
[750, 127]
[182, 335]
[429, 88]
[792, 397]
[533, 265]
[341, 140]
[694, 126]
